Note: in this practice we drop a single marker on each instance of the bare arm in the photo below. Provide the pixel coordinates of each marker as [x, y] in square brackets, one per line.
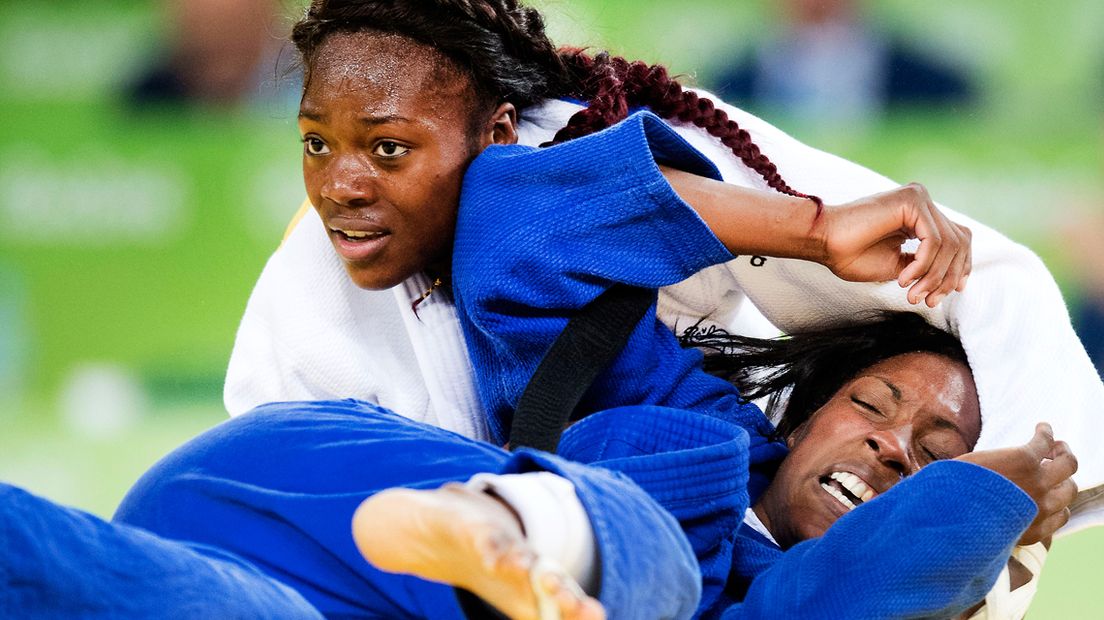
[859, 240]
[750, 221]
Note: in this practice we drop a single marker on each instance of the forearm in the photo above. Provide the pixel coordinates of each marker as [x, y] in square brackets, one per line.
[751, 221]
[1011, 317]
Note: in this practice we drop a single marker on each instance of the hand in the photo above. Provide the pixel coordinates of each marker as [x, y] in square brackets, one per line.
[1042, 468]
[863, 238]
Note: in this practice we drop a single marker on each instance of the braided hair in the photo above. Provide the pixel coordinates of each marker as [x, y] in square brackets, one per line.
[502, 46]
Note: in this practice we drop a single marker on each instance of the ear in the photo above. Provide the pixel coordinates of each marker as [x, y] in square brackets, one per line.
[502, 127]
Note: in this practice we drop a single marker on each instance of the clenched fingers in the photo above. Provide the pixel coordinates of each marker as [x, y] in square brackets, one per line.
[1060, 464]
[943, 259]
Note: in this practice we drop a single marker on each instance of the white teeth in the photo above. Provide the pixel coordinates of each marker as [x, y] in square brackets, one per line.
[834, 492]
[854, 484]
[357, 234]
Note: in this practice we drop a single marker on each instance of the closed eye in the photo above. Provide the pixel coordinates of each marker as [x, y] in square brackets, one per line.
[865, 405]
[932, 456]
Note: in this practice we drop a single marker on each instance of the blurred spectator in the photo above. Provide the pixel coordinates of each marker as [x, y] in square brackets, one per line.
[1083, 240]
[221, 52]
[827, 65]
[1081, 236]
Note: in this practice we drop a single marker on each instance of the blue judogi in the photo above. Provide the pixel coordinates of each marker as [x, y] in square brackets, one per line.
[542, 232]
[930, 547]
[278, 488]
[60, 563]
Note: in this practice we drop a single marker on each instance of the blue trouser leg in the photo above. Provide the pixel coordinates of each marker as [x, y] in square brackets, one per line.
[278, 488]
[56, 562]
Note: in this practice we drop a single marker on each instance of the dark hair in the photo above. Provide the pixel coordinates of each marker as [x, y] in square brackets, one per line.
[500, 44]
[801, 372]
[503, 48]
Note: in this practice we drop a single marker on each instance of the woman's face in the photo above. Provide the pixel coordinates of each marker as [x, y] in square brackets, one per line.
[886, 423]
[387, 127]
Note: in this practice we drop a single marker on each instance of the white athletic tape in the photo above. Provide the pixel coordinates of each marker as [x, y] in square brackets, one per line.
[1002, 603]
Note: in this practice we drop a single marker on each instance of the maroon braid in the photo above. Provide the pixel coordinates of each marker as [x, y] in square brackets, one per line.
[612, 85]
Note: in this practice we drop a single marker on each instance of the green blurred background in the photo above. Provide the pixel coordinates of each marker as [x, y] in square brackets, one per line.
[130, 236]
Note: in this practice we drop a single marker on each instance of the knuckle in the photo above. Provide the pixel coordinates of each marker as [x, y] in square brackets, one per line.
[1071, 487]
[1069, 495]
[1052, 503]
[914, 193]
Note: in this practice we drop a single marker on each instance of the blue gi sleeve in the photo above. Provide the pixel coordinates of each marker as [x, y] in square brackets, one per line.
[930, 547]
[541, 232]
[695, 466]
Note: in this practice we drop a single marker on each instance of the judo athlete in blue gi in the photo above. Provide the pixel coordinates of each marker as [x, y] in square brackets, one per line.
[599, 211]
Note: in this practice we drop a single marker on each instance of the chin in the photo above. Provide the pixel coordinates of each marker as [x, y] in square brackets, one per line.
[371, 279]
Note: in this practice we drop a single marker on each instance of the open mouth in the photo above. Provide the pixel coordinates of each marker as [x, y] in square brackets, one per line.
[357, 245]
[847, 488]
[357, 235]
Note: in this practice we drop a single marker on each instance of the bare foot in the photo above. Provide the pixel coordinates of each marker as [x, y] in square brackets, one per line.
[466, 539]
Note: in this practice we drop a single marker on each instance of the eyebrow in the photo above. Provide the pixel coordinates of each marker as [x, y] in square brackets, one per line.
[940, 421]
[370, 121]
[892, 388]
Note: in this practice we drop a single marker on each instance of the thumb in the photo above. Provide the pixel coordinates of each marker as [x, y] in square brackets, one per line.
[1042, 441]
[903, 261]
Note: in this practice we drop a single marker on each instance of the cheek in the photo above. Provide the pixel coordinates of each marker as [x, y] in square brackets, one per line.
[312, 182]
[439, 225]
[440, 201]
[429, 217]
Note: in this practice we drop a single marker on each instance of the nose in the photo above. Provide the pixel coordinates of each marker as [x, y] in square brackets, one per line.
[890, 446]
[350, 182]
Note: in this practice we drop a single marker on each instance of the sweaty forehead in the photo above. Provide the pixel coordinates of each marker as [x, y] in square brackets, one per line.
[384, 66]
